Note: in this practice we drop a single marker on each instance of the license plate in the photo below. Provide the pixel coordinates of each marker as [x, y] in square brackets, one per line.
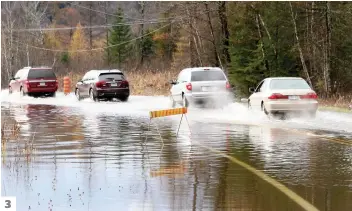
[41, 84]
[113, 84]
[206, 88]
[293, 97]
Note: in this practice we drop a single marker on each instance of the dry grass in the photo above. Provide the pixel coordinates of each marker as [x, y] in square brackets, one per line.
[9, 130]
[338, 103]
[141, 82]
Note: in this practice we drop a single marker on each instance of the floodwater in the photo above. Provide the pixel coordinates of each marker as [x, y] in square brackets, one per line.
[85, 155]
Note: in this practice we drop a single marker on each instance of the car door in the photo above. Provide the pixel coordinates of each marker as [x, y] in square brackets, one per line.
[83, 86]
[79, 85]
[91, 79]
[256, 97]
[13, 83]
[18, 80]
[181, 83]
[175, 89]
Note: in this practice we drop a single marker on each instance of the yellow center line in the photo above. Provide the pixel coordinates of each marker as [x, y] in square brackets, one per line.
[292, 195]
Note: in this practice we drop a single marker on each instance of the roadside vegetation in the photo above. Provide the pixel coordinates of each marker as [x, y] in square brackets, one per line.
[152, 41]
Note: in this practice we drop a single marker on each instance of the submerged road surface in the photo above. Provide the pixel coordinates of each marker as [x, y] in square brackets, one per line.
[73, 155]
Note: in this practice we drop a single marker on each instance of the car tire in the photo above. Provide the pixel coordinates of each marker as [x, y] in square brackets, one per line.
[123, 98]
[185, 102]
[264, 109]
[22, 93]
[173, 103]
[78, 95]
[312, 114]
[91, 95]
[52, 94]
[10, 90]
[249, 105]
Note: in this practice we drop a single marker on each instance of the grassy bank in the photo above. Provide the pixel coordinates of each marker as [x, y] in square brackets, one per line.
[141, 83]
[339, 104]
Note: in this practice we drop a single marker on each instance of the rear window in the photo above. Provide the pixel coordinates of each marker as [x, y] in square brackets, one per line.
[111, 76]
[41, 73]
[289, 84]
[208, 75]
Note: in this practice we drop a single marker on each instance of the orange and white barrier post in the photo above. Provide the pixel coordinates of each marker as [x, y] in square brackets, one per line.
[67, 85]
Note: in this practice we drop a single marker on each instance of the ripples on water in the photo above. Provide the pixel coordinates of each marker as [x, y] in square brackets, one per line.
[85, 158]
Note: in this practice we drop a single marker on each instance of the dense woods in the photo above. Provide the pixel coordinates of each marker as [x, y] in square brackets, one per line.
[250, 40]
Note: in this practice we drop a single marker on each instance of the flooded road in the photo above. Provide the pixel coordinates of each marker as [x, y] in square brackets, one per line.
[73, 155]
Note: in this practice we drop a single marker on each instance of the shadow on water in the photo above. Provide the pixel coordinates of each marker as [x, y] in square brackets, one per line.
[83, 160]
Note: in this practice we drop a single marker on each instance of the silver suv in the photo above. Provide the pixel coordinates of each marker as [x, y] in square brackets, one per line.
[201, 85]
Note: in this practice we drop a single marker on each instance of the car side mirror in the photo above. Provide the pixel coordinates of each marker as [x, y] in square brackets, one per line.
[173, 82]
[251, 90]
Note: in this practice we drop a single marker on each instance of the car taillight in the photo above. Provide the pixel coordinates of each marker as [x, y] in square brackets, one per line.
[100, 84]
[124, 84]
[228, 86]
[27, 83]
[276, 96]
[309, 96]
[56, 83]
[189, 86]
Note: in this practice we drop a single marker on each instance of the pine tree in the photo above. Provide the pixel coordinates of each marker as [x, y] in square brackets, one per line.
[119, 40]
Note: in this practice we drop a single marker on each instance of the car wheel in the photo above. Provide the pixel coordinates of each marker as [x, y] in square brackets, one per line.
[264, 109]
[184, 101]
[173, 103]
[124, 98]
[312, 114]
[10, 90]
[22, 93]
[52, 94]
[78, 95]
[91, 95]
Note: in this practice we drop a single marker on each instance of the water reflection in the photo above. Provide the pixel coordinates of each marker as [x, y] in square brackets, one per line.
[86, 160]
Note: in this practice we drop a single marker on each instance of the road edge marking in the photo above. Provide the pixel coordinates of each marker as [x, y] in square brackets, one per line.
[288, 192]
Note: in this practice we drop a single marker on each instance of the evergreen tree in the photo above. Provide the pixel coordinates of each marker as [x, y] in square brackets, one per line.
[261, 44]
[119, 40]
[147, 44]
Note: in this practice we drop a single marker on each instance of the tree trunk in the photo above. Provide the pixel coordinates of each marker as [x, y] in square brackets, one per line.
[312, 41]
[305, 70]
[142, 3]
[261, 44]
[328, 50]
[90, 26]
[107, 32]
[193, 61]
[225, 31]
[217, 59]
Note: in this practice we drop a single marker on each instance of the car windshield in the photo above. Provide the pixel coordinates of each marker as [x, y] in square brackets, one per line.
[289, 84]
[208, 75]
[41, 73]
[111, 76]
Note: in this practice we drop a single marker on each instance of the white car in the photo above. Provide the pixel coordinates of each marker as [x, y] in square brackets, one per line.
[201, 85]
[283, 95]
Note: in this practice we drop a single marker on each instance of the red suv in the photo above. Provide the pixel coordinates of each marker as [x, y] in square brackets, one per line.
[34, 81]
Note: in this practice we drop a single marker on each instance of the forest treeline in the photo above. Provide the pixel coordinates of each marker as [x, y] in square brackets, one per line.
[249, 40]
